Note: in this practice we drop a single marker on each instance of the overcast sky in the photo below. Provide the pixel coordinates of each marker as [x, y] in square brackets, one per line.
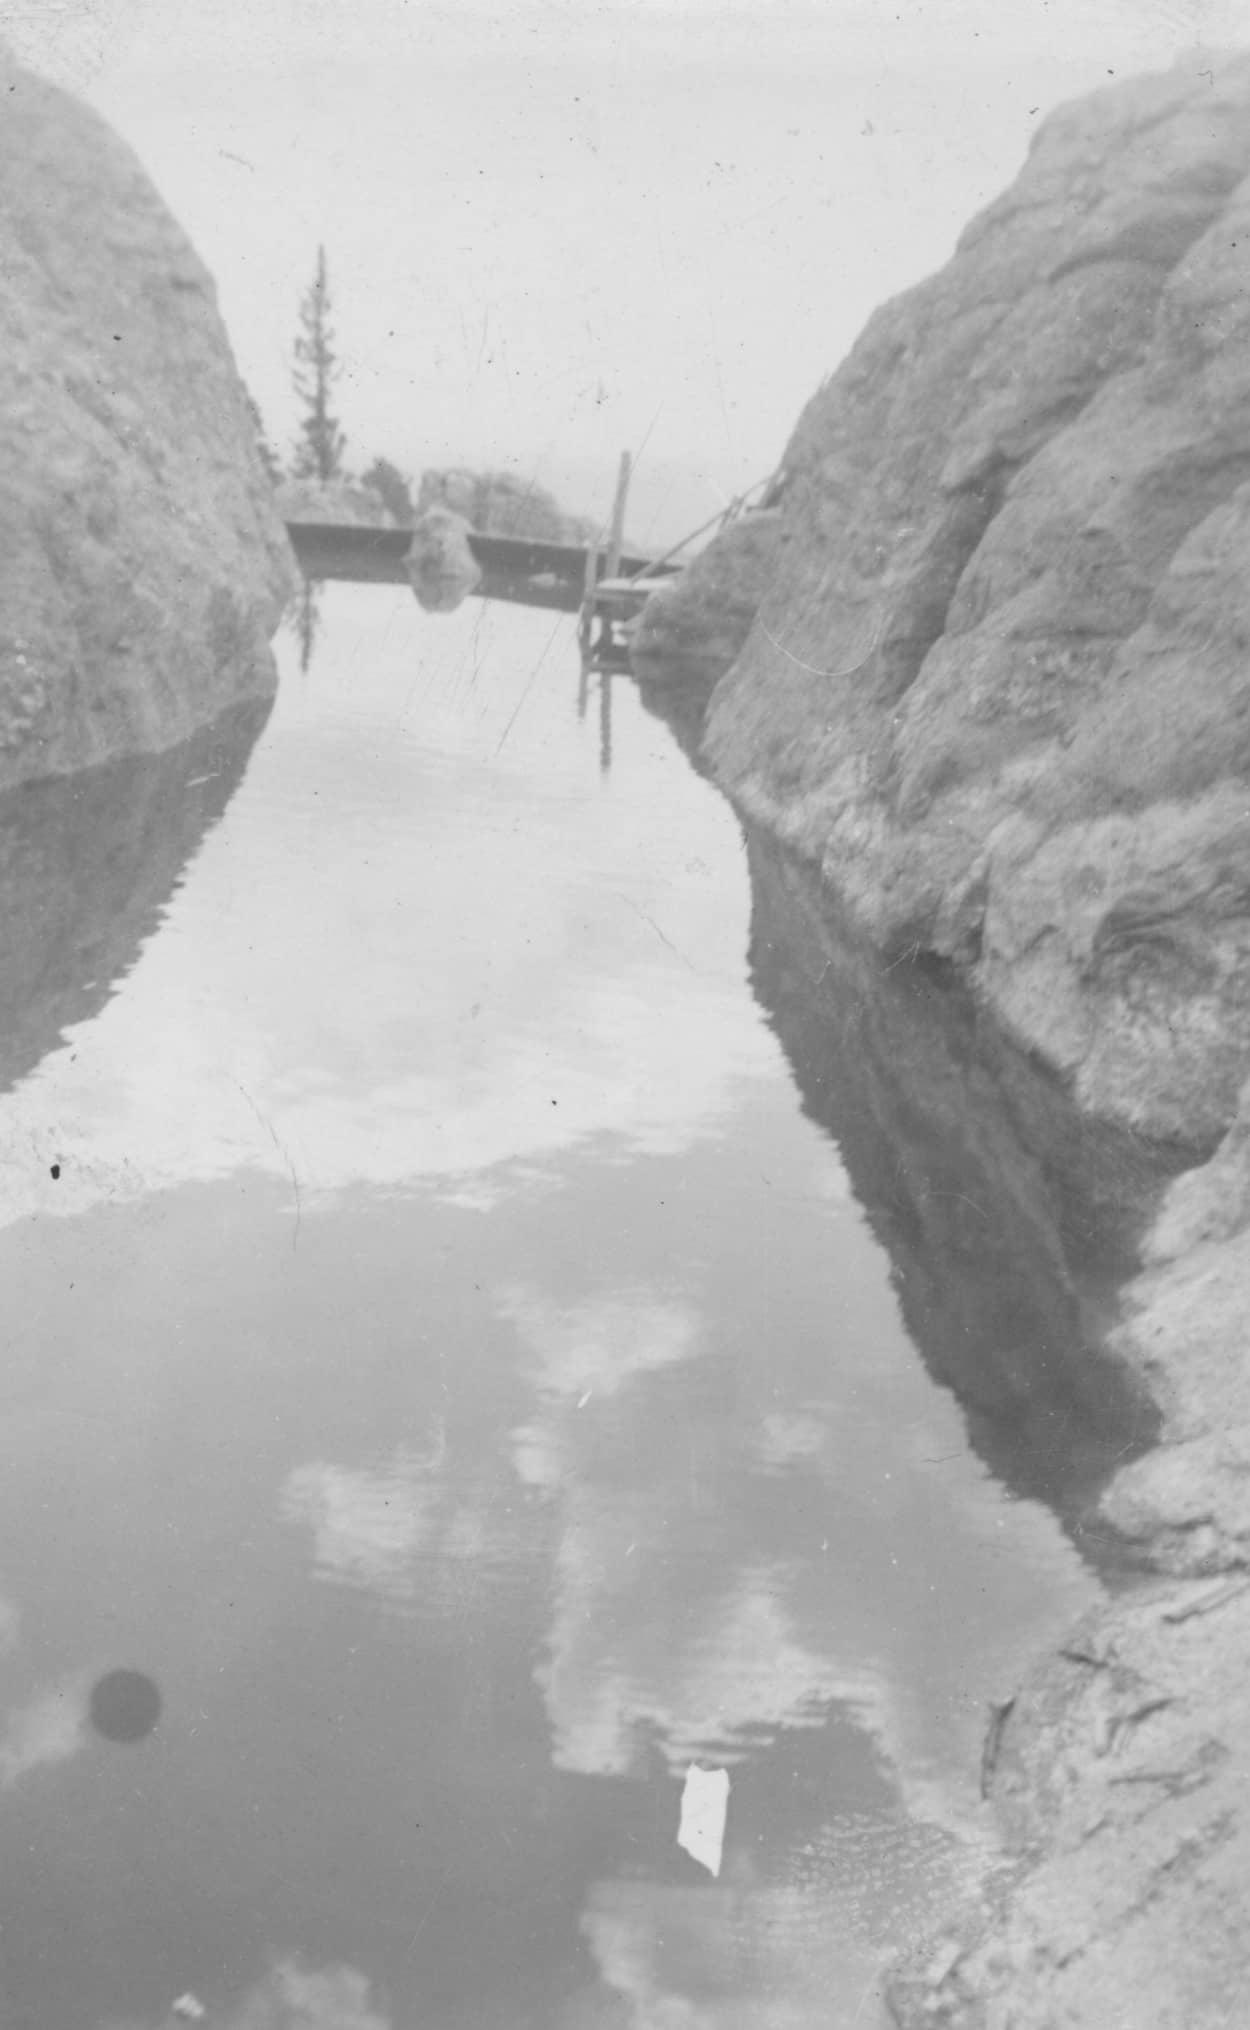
[556, 228]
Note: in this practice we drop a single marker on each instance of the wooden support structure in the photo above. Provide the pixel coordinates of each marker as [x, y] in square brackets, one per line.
[607, 598]
[590, 581]
[605, 721]
[521, 568]
[601, 582]
[616, 540]
[595, 605]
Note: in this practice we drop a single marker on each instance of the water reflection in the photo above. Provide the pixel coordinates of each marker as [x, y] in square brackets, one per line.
[474, 1388]
[87, 864]
[761, 1953]
[749, 1505]
[48, 1728]
[398, 802]
[291, 1996]
[1008, 1220]
[368, 1525]
[303, 618]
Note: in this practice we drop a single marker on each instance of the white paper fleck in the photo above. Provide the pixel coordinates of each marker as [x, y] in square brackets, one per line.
[704, 1806]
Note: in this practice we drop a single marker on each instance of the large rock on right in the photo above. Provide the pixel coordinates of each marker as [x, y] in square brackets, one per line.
[999, 688]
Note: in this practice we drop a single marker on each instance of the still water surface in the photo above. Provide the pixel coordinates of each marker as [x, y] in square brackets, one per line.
[450, 1362]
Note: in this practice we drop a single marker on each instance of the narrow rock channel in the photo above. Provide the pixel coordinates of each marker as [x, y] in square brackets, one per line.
[763, 1291]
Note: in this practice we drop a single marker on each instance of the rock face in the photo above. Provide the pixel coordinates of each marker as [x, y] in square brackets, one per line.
[703, 617]
[144, 567]
[1000, 686]
[1124, 1769]
[1122, 1775]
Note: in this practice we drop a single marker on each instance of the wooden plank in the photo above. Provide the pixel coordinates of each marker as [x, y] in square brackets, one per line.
[590, 580]
[622, 598]
[376, 556]
[362, 556]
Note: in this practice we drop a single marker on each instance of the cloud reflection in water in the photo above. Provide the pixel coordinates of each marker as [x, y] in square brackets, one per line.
[295, 1997]
[452, 963]
[367, 1524]
[726, 1570]
[50, 1728]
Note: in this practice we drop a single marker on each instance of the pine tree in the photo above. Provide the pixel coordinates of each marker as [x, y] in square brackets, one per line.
[319, 450]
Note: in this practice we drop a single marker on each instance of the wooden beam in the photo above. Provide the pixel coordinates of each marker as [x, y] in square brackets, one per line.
[616, 541]
[589, 583]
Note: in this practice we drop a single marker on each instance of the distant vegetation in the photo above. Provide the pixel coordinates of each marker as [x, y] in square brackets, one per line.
[500, 504]
[316, 485]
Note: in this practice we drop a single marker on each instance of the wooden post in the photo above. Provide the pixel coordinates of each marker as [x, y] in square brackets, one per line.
[605, 719]
[616, 541]
[585, 620]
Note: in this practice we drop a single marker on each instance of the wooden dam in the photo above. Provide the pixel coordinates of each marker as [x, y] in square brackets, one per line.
[602, 582]
[518, 568]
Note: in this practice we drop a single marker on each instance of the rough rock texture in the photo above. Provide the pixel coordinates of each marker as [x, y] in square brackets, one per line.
[1000, 686]
[1186, 1331]
[442, 569]
[705, 615]
[1123, 1780]
[144, 568]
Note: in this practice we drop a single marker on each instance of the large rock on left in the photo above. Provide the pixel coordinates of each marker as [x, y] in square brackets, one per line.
[142, 562]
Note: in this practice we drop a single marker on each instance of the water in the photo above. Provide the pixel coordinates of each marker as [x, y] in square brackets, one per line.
[444, 1349]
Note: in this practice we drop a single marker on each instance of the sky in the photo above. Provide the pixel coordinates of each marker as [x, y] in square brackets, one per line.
[556, 229]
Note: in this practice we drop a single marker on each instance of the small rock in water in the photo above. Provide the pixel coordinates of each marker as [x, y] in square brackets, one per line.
[189, 2007]
[704, 1806]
